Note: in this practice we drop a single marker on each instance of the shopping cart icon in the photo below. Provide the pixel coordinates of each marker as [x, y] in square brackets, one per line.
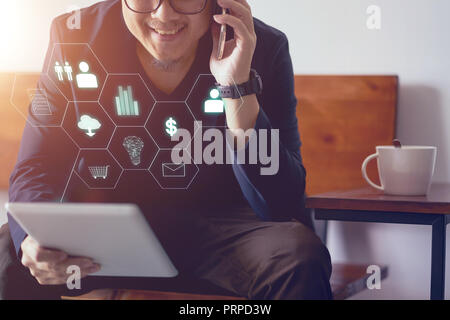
[99, 172]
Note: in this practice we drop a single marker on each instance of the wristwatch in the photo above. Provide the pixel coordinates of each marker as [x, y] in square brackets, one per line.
[253, 86]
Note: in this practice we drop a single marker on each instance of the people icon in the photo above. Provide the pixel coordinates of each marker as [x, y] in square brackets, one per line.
[215, 104]
[68, 70]
[86, 80]
[59, 71]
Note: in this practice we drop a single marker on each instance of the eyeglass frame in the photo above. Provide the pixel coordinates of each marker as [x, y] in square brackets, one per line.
[170, 2]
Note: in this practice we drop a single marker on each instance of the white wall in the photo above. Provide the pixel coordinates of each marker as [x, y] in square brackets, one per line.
[330, 37]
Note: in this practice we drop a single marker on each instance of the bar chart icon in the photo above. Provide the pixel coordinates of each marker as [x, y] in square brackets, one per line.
[126, 106]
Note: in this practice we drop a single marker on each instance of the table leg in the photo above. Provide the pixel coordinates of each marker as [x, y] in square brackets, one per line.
[438, 258]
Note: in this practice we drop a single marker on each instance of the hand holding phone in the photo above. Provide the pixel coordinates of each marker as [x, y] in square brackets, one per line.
[231, 60]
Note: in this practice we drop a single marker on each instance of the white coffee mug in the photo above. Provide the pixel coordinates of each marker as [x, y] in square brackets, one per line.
[405, 171]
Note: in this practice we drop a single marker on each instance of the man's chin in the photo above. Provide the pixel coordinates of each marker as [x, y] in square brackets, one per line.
[165, 63]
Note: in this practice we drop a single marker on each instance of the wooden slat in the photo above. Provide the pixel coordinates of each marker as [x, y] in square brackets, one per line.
[341, 120]
[155, 295]
[110, 294]
[369, 199]
[12, 121]
[101, 294]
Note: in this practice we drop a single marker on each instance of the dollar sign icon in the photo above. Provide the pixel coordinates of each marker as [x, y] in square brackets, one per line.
[171, 126]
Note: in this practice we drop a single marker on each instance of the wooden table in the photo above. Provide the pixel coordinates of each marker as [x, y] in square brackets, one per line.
[370, 205]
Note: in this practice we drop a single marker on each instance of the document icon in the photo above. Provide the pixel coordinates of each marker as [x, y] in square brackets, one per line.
[172, 170]
[39, 102]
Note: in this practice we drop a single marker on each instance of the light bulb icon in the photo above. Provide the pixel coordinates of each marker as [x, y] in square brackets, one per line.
[134, 146]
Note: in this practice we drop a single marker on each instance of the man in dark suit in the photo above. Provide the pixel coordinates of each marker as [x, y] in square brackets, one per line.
[242, 231]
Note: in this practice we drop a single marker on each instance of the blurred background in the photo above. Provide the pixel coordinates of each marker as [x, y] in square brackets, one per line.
[327, 37]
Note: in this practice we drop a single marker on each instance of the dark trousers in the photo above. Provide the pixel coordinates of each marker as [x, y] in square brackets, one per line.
[236, 253]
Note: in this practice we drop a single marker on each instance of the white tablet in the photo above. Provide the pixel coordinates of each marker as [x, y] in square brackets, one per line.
[117, 236]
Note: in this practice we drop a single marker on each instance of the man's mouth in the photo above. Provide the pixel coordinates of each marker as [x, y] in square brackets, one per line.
[168, 34]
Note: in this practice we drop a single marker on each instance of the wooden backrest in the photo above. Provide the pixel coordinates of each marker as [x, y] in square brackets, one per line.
[11, 123]
[341, 120]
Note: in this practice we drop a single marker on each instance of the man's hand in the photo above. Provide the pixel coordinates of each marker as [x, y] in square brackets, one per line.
[235, 66]
[49, 267]
[238, 53]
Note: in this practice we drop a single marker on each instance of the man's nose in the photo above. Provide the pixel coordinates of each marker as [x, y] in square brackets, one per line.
[165, 12]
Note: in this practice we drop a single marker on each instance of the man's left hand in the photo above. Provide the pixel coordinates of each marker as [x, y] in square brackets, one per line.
[238, 54]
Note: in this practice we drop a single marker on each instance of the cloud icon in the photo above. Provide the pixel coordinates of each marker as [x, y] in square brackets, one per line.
[89, 124]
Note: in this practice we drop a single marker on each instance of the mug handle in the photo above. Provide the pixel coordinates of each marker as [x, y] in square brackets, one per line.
[364, 171]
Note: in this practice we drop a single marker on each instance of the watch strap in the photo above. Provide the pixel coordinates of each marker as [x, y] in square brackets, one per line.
[253, 86]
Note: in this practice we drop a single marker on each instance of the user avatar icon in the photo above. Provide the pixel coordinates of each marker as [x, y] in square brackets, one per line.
[215, 104]
[86, 80]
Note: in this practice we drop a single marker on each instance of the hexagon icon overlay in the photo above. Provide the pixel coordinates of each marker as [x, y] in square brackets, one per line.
[88, 125]
[165, 120]
[200, 96]
[77, 72]
[39, 106]
[98, 169]
[171, 176]
[133, 148]
[127, 99]
[206, 104]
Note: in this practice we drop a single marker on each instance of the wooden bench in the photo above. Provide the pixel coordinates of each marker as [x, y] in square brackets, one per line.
[341, 120]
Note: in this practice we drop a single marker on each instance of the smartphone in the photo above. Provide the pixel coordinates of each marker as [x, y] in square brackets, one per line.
[222, 38]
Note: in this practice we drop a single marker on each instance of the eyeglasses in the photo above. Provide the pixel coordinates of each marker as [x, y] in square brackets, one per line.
[188, 7]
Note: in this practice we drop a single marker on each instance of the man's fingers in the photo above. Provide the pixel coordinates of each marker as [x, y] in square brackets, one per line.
[240, 11]
[61, 276]
[49, 267]
[39, 254]
[35, 272]
[26, 261]
[240, 30]
[245, 3]
[83, 263]
[49, 280]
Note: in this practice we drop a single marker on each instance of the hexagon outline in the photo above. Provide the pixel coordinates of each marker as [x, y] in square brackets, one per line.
[96, 57]
[70, 177]
[11, 101]
[79, 147]
[167, 102]
[145, 128]
[146, 87]
[73, 141]
[86, 184]
[210, 74]
[191, 181]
